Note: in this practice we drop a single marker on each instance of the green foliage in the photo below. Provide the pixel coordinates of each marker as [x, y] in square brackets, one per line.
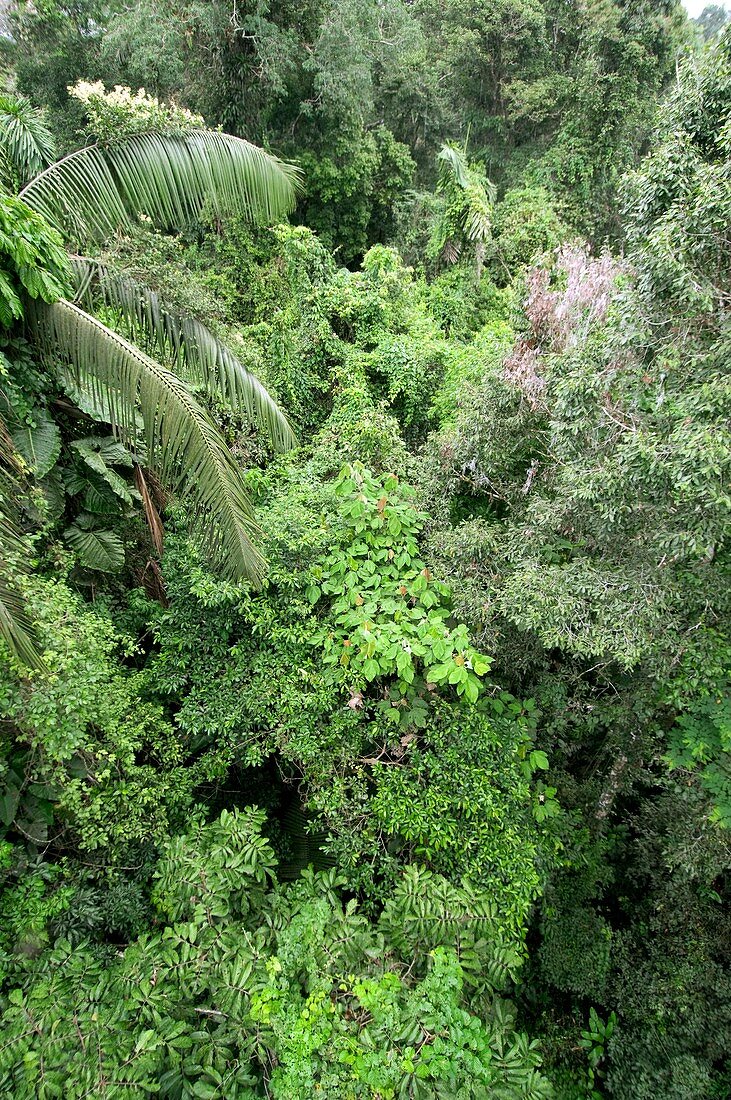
[700, 741]
[167, 177]
[215, 872]
[679, 202]
[468, 215]
[38, 443]
[95, 549]
[55, 44]
[180, 438]
[467, 368]
[607, 539]
[462, 803]
[361, 92]
[86, 756]
[31, 258]
[198, 356]
[27, 907]
[288, 990]
[16, 627]
[526, 226]
[595, 1039]
[536, 469]
[26, 144]
[114, 116]
[178, 435]
[360, 428]
[348, 667]
[349, 193]
[389, 613]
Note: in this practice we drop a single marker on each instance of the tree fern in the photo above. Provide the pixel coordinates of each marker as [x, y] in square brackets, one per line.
[197, 355]
[181, 442]
[168, 178]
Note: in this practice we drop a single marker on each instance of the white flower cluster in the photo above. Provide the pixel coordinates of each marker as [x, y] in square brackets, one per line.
[122, 112]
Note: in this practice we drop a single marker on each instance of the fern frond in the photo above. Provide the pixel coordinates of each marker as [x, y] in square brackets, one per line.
[181, 441]
[170, 179]
[198, 356]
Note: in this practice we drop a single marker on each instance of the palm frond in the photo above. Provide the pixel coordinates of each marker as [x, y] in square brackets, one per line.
[453, 166]
[198, 356]
[26, 143]
[181, 441]
[478, 193]
[6, 170]
[170, 179]
[478, 214]
[16, 628]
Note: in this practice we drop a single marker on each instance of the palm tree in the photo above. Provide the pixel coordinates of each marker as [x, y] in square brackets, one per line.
[26, 145]
[467, 215]
[171, 179]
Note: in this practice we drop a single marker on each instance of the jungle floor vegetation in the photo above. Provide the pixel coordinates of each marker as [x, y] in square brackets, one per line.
[364, 584]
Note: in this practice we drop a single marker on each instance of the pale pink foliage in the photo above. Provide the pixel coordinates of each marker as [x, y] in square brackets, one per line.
[522, 369]
[561, 318]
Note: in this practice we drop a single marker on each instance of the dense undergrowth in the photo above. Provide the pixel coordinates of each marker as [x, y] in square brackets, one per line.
[436, 803]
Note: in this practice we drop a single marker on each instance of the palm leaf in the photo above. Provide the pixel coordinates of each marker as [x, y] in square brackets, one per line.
[16, 628]
[6, 170]
[182, 443]
[169, 178]
[480, 197]
[198, 356]
[26, 143]
[478, 192]
[453, 167]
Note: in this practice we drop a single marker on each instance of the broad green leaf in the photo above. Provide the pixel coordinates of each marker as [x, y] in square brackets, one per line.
[100, 503]
[96, 548]
[472, 690]
[39, 445]
[371, 669]
[9, 800]
[54, 495]
[97, 453]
